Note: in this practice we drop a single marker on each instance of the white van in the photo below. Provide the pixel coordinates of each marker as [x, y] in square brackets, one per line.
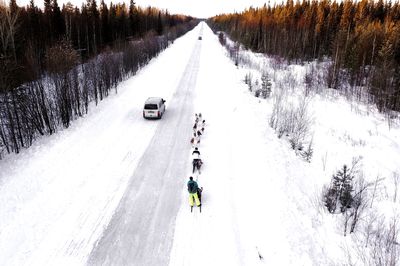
[154, 107]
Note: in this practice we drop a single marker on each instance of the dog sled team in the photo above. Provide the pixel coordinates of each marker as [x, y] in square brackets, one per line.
[193, 188]
[198, 130]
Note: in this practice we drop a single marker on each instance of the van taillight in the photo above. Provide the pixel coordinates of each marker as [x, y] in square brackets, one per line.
[158, 113]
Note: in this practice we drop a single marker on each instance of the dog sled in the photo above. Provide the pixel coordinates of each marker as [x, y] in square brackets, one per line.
[197, 163]
[199, 192]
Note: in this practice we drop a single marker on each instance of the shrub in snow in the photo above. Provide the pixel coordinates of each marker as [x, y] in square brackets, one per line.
[359, 202]
[330, 198]
[248, 79]
[340, 191]
[300, 125]
[1, 152]
[396, 182]
[309, 81]
[265, 85]
[278, 111]
[349, 195]
[291, 80]
[385, 248]
[307, 153]
[256, 88]
[232, 48]
[298, 147]
[222, 38]
[260, 90]
[380, 244]
[292, 121]
[60, 59]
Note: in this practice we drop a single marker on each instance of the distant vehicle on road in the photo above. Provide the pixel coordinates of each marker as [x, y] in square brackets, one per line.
[154, 107]
[200, 38]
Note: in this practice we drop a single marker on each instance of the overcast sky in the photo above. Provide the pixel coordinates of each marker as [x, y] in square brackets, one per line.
[196, 8]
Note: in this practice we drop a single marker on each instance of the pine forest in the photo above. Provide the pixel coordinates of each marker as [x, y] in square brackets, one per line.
[360, 38]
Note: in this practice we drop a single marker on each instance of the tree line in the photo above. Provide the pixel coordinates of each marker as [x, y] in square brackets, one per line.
[55, 62]
[27, 32]
[361, 38]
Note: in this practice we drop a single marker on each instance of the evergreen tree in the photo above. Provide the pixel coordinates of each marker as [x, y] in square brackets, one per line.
[13, 7]
[48, 18]
[265, 85]
[159, 24]
[105, 31]
[92, 26]
[340, 191]
[57, 20]
[133, 19]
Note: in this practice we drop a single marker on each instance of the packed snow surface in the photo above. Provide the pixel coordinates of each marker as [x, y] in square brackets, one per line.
[111, 189]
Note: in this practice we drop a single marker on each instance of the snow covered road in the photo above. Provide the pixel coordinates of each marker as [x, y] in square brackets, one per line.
[141, 230]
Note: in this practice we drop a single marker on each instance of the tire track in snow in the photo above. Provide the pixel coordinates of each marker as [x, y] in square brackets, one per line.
[141, 230]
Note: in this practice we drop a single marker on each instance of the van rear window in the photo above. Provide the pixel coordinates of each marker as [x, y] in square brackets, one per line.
[150, 106]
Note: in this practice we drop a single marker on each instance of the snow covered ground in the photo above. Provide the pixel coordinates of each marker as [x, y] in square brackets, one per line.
[93, 194]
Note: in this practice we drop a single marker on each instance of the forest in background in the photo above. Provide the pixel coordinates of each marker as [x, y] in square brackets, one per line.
[26, 33]
[54, 62]
[361, 39]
